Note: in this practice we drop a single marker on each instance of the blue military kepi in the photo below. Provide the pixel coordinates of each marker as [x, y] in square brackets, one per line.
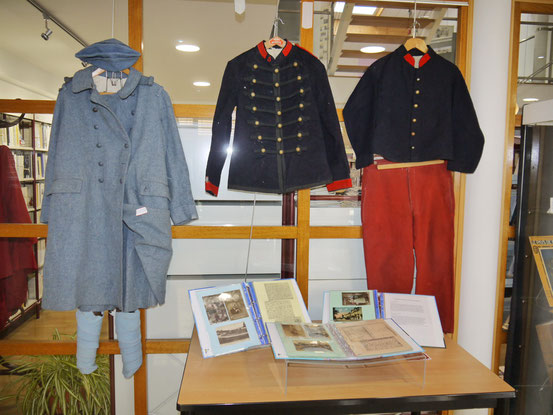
[111, 55]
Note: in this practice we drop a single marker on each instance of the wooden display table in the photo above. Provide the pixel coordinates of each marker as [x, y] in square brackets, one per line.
[253, 382]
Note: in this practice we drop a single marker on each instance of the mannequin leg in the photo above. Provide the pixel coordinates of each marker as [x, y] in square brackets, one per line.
[89, 326]
[127, 326]
[387, 230]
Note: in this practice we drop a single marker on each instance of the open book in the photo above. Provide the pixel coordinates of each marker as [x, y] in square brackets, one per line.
[232, 318]
[416, 314]
[358, 340]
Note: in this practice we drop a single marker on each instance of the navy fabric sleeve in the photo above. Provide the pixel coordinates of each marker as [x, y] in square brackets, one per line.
[222, 123]
[334, 142]
[358, 117]
[468, 139]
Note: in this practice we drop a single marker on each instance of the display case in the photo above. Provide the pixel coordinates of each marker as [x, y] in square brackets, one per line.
[529, 358]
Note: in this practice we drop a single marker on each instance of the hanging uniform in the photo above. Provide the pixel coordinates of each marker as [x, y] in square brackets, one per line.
[287, 135]
[410, 108]
[116, 176]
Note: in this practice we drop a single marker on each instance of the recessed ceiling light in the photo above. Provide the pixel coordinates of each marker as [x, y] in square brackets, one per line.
[187, 48]
[201, 83]
[530, 99]
[541, 57]
[365, 10]
[373, 49]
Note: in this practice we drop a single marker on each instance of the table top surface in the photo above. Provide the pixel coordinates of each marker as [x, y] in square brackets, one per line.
[254, 376]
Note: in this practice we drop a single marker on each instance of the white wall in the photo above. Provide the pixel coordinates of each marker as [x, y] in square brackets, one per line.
[490, 55]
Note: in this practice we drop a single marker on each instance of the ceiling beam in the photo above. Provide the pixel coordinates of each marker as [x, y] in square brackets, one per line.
[360, 55]
[339, 38]
[406, 4]
[388, 21]
[377, 31]
[376, 38]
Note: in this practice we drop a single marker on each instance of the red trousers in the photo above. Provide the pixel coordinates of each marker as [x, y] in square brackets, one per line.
[407, 216]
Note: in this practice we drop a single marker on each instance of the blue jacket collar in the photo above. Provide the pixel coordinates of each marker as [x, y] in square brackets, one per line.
[82, 80]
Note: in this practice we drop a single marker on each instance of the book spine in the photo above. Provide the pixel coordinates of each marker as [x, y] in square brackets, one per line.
[379, 301]
[251, 299]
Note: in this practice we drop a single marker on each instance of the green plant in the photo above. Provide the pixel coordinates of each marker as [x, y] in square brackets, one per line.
[52, 385]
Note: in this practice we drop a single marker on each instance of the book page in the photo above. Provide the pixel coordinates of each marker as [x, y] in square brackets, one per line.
[372, 338]
[280, 300]
[417, 315]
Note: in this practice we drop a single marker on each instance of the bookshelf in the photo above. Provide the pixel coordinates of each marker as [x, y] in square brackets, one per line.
[28, 141]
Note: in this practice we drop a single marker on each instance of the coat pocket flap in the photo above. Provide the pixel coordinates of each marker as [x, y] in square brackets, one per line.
[66, 186]
[149, 188]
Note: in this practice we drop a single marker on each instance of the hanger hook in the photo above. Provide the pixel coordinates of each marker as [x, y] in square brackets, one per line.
[414, 30]
[275, 25]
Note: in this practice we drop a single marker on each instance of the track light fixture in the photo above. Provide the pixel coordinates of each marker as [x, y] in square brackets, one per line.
[48, 32]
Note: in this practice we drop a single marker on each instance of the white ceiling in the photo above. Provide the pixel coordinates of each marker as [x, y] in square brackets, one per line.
[213, 25]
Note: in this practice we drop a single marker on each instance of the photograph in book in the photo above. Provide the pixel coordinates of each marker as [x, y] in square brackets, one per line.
[356, 298]
[232, 333]
[229, 318]
[348, 341]
[347, 313]
[350, 305]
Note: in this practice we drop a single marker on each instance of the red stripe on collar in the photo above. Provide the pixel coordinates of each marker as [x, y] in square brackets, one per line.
[424, 59]
[411, 60]
[287, 48]
[262, 50]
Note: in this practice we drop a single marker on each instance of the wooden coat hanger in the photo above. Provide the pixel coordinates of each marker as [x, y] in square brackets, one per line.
[415, 42]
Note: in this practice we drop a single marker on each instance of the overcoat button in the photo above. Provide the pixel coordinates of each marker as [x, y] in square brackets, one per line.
[277, 85]
[416, 105]
[412, 147]
[276, 70]
[120, 180]
[253, 94]
[301, 91]
[298, 149]
[263, 150]
[254, 109]
[279, 112]
[280, 151]
[257, 123]
[255, 66]
[412, 133]
[101, 180]
[295, 64]
[299, 135]
[96, 127]
[100, 163]
[95, 109]
[417, 92]
[418, 79]
[126, 145]
[254, 80]
[133, 112]
[279, 139]
[299, 78]
[98, 145]
[278, 99]
[301, 105]
[414, 120]
[279, 125]
[259, 137]
[300, 119]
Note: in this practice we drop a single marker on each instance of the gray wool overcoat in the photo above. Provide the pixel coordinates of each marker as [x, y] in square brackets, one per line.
[116, 176]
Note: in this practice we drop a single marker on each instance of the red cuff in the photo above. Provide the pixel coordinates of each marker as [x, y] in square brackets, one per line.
[211, 188]
[338, 185]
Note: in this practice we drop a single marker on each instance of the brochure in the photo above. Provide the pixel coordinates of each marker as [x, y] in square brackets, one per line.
[232, 318]
[342, 341]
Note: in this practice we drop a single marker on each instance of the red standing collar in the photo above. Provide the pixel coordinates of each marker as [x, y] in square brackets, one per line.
[411, 60]
[265, 55]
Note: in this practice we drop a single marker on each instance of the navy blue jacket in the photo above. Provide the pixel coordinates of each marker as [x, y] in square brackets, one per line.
[409, 114]
[287, 135]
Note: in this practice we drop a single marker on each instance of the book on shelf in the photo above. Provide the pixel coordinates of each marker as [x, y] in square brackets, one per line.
[379, 339]
[231, 318]
[416, 314]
